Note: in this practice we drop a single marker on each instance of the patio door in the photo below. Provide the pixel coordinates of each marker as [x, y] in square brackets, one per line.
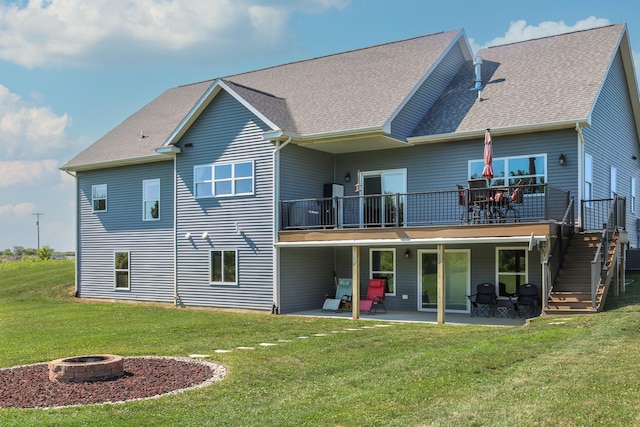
[383, 201]
[457, 279]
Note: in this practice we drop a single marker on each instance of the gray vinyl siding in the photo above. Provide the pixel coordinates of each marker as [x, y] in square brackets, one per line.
[612, 140]
[304, 171]
[306, 278]
[433, 167]
[226, 132]
[121, 228]
[427, 94]
[483, 266]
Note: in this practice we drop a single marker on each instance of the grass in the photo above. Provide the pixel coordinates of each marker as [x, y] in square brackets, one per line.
[569, 371]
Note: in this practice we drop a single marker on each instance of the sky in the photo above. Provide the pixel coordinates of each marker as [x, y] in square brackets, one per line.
[72, 70]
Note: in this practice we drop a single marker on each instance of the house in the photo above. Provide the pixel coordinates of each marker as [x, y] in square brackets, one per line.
[251, 191]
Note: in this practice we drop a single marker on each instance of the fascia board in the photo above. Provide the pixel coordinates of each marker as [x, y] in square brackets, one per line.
[430, 241]
[511, 130]
[116, 163]
[203, 102]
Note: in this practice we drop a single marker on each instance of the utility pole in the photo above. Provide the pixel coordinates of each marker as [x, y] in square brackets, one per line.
[38, 215]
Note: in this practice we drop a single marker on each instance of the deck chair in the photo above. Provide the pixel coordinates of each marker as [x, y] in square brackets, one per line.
[375, 296]
[484, 301]
[343, 295]
[528, 302]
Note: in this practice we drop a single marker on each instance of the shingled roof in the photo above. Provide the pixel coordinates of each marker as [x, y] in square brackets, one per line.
[347, 91]
[545, 82]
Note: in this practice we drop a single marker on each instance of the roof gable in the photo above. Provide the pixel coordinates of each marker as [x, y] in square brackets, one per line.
[553, 81]
[354, 90]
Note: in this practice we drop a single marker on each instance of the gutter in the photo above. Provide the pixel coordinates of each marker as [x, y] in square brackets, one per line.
[276, 220]
[511, 130]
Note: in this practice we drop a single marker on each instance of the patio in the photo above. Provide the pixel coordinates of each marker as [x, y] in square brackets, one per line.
[418, 316]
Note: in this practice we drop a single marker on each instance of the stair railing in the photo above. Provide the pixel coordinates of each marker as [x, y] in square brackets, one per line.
[600, 260]
[554, 261]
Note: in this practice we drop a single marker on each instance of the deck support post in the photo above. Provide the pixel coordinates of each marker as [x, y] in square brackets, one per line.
[355, 277]
[441, 285]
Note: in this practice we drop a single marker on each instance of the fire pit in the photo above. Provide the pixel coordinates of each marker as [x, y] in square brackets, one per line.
[100, 367]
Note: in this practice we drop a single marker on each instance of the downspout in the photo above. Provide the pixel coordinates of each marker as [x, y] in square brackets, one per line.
[581, 178]
[275, 309]
[77, 269]
[176, 297]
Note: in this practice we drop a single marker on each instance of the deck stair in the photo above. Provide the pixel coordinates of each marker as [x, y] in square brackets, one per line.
[571, 293]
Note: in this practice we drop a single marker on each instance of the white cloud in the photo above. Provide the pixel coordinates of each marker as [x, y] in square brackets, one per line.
[26, 130]
[99, 32]
[23, 173]
[520, 31]
[21, 209]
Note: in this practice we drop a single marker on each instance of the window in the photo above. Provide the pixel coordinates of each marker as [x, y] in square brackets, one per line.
[511, 268]
[382, 265]
[633, 194]
[509, 170]
[121, 265]
[224, 267]
[224, 179]
[99, 197]
[151, 199]
[588, 179]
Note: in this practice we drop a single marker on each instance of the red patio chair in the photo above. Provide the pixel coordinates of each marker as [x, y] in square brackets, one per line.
[375, 296]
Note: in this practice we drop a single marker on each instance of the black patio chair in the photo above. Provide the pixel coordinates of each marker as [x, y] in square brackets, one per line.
[484, 301]
[528, 302]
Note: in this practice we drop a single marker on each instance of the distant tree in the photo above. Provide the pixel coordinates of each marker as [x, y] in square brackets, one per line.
[45, 252]
[7, 252]
[30, 252]
[18, 250]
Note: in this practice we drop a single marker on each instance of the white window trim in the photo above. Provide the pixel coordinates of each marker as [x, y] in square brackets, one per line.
[233, 179]
[115, 271]
[145, 200]
[395, 267]
[93, 199]
[211, 282]
[613, 181]
[506, 160]
[497, 268]
[588, 179]
[633, 194]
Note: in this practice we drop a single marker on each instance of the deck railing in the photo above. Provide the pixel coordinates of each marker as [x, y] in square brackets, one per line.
[607, 216]
[539, 202]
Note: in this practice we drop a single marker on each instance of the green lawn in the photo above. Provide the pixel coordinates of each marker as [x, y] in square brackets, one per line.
[569, 371]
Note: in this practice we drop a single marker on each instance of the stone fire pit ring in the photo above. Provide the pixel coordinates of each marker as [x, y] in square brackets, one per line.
[98, 367]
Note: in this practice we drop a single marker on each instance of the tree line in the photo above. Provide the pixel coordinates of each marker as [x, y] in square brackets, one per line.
[44, 252]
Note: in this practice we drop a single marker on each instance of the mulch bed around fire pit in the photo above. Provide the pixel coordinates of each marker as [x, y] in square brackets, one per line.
[145, 377]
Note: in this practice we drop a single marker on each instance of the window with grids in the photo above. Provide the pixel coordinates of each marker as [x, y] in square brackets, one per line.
[151, 199]
[382, 265]
[511, 268]
[510, 170]
[99, 197]
[224, 267]
[224, 179]
[121, 266]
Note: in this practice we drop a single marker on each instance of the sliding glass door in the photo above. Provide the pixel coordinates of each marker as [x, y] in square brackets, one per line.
[457, 279]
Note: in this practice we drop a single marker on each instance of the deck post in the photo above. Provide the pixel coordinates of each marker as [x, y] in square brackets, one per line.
[355, 277]
[441, 287]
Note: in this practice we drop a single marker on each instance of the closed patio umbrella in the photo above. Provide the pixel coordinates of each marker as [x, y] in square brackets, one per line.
[487, 172]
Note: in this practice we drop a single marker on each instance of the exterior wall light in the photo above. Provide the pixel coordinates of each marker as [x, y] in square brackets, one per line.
[407, 254]
[347, 177]
[562, 159]
[205, 235]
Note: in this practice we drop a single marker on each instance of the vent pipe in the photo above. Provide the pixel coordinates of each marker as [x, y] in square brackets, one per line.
[477, 62]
